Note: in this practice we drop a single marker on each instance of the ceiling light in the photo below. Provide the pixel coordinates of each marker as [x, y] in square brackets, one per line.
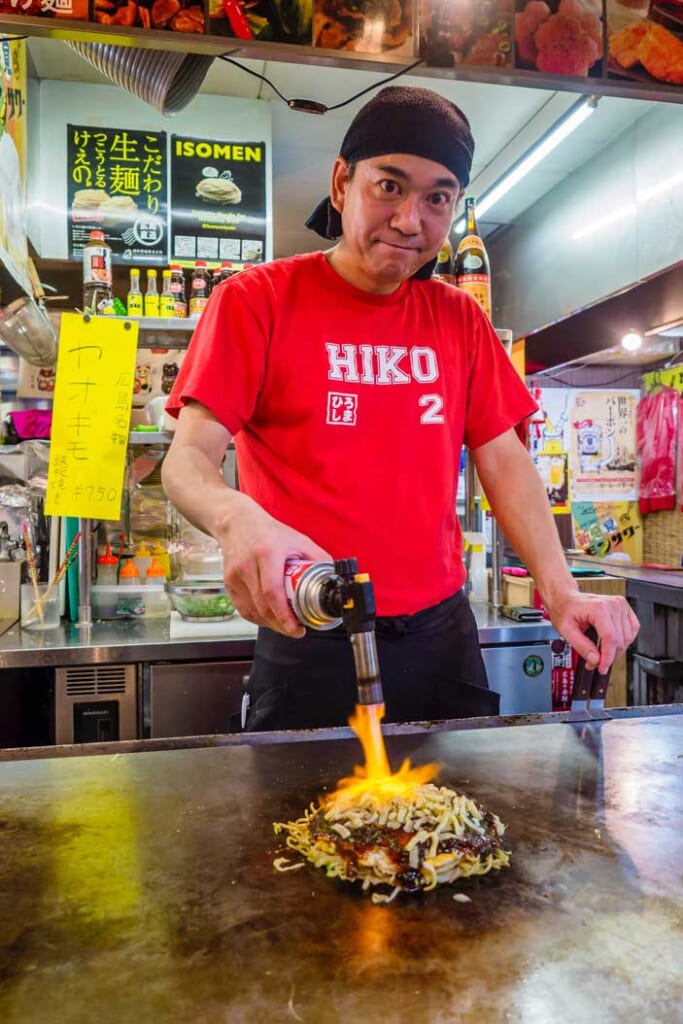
[632, 341]
[568, 123]
[672, 329]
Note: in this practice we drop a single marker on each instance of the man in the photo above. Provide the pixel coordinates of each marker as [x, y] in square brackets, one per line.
[350, 380]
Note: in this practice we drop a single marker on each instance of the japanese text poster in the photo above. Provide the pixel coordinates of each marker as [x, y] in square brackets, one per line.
[218, 201]
[605, 528]
[13, 245]
[91, 416]
[47, 8]
[602, 459]
[553, 467]
[117, 183]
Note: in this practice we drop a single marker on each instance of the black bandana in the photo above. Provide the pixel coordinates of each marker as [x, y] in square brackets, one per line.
[402, 119]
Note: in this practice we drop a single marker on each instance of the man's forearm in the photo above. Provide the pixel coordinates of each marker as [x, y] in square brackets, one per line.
[197, 489]
[520, 504]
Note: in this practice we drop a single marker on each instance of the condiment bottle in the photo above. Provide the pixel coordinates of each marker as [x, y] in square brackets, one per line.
[472, 270]
[227, 270]
[167, 298]
[134, 299]
[444, 263]
[151, 295]
[98, 296]
[161, 554]
[178, 289]
[107, 568]
[129, 575]
[156, 604]
[142, 558]
[201, 285]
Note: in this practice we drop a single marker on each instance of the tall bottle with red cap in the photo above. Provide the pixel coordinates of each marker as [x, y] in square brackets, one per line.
[200, 288]
[98, 296]
[472, 269]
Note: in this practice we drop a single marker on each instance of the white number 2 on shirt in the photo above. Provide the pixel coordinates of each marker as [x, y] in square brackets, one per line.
[432, 405]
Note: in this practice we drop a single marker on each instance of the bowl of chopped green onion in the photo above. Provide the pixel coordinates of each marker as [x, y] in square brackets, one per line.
[200, 600]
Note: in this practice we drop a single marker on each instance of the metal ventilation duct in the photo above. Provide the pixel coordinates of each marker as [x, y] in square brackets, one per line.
[166, 79]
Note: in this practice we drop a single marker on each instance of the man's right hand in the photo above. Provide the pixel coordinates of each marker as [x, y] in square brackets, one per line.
[255, 548]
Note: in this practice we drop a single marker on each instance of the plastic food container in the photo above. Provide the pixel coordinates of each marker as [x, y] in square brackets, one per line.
[129, 602]
[200, 600]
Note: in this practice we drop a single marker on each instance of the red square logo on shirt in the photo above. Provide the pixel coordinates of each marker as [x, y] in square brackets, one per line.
[342, 409]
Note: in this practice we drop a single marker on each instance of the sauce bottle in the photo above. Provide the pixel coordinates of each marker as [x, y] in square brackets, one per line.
[160, 553]
[129, 575]
[152, 294]
[142, 559]
[444, 263]
[98, 295]
[107, 568]
[156, 604]
[134, 298]
[227, 270]
[178, 289]
[167, 298]
[472, 269]
[201, 285]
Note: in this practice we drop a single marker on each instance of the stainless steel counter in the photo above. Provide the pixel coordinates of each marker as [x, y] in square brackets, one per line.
[138, 888]
[637, 574]
[149, 640]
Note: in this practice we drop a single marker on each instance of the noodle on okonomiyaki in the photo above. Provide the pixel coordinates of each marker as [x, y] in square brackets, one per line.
[410, 837]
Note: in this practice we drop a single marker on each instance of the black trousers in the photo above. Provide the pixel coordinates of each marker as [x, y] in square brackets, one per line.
[430, 664]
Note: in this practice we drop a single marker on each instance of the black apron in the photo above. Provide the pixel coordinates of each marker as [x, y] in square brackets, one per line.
[430, 664]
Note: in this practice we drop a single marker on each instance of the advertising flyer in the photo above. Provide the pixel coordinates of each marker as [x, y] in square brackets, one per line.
[218, 201]
[605, 528]
[13, 97]
[13, 245]
[602, 453]
[118, 183]
[554, 470]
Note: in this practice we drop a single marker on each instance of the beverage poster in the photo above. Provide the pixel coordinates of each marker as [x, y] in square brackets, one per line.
[13, 97]
[554, 469]
[549, 427]
[218, 201]
[117, 183]
[645, 41]
[605, 528]
[13, 245]
[602, 452]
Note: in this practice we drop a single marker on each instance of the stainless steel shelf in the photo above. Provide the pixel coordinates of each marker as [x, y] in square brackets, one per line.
[138, 437]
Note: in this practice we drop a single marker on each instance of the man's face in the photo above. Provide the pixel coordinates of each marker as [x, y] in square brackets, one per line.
[396, 212]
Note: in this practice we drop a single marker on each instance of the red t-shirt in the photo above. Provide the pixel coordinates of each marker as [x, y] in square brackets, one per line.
[349, 411]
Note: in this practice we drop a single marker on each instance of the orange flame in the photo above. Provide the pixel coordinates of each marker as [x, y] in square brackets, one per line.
[376, 775]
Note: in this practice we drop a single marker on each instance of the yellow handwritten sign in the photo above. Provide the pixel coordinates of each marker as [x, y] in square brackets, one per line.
[91, 416]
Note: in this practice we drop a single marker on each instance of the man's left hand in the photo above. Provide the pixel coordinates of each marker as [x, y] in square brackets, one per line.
[612, 618]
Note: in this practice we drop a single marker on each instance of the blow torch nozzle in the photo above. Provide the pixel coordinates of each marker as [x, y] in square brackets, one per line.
[358, 615]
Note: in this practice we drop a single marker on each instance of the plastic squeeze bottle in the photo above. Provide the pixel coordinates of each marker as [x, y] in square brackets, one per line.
[107, 568]
[129, 574]
[161, 554]
[156, 604]
[143, 556]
